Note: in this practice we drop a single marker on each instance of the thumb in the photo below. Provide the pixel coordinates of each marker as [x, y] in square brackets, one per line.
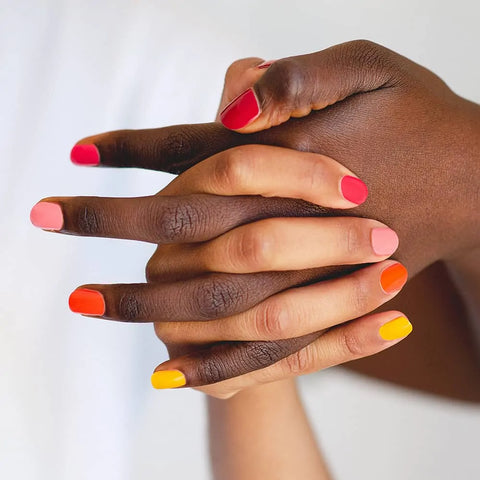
[294, 86]
[240, 75]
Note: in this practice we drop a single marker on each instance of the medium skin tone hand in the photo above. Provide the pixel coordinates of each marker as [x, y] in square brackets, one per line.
[178, 306]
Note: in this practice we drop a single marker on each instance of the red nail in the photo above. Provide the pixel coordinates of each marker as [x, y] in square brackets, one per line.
[85, 155]
[353, 189]
[87, 302]
[241, 111]
[265, 64]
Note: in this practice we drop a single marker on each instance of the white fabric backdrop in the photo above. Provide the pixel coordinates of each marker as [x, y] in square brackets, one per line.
[75, 399]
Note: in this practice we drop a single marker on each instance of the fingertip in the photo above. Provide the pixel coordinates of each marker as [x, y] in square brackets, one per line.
[396, 329]
[47, 216]
[241, 111]
[85, 155]
[163, 379]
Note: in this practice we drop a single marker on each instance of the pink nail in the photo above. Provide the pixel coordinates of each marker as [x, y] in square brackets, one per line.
[241, 111]
[85, 155]
[266, 64]
[47, 215]
[353, 189]
[384, 241]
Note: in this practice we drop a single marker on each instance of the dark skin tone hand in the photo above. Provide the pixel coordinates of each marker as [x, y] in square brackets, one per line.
[395, 124]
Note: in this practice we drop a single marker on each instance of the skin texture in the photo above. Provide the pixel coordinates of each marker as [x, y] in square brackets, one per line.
[393, 123]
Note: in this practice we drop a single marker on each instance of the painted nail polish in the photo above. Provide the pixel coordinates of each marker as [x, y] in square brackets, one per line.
[394, 329]
[353, 189]
[168, 379]
[85, 155]
[47, 215]
[87, 302]
[393, 278]
[384, 241]
[266, 64]
[241, 111]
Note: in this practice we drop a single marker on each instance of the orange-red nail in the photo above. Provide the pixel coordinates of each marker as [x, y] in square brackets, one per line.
[393, 278]
[87, 302]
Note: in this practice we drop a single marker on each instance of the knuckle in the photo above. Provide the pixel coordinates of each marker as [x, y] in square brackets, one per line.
[253, 248]
[370, 55]
[88, 220]
[299, 362]
[178, 222]
[218, 296]
[263, 354]
[289, 75]
[233, 169]
[129, 307]
[271, 321]
[360, 296]
[177, 145]
[353, 240]
[350, 344]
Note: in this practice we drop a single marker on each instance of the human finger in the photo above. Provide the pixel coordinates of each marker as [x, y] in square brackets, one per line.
[229, 367]
[248, 170]
[161, 219]
[298, 311]
[282, 244]
[294, 86]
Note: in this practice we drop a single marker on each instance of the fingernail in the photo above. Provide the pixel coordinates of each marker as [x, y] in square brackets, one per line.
[394, 329]
[384, 241]
[168, 379]
[46, 215]
[85, 155]
[266, 64]
[393, 278]
[353, 189]
[241, 111]
[87, 302]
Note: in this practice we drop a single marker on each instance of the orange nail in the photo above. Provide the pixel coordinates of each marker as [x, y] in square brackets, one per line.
[87, 302]
[393, 278]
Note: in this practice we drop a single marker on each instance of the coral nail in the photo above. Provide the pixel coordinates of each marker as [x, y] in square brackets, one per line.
[85, 155]
[168, 379]
[384, 241]
[353, 189]
[47, 215]
[241, 111]
[394, 329]
[87, 302]
[393, 278]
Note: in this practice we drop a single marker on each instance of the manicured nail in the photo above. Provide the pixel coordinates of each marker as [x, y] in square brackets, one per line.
[393, 278]
[241, 111]
[87, 302]
[47, 215]
[394, 329]
[384, 241]
[266, 64]
[353, 189]
[85, 155]
[168, 379]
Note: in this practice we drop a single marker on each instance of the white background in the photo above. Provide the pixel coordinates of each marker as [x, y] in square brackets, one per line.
[75, 398]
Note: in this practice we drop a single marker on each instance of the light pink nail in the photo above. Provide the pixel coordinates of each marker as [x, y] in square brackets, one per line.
[47, 215]
[384, 241]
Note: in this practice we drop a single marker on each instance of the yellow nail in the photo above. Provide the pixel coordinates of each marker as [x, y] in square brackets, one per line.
[397, 328]
[168, 379]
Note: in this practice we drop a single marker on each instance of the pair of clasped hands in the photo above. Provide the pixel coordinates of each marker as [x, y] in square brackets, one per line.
[272, 253]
